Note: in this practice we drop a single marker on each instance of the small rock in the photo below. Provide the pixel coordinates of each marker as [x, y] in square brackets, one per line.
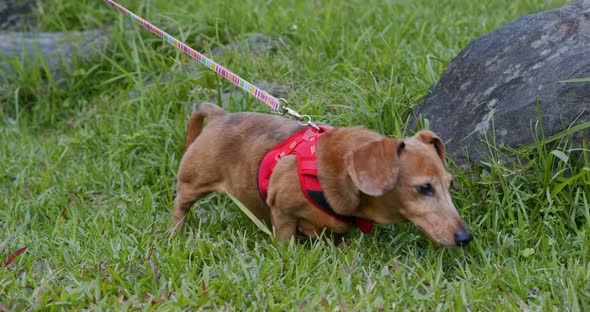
[256, 44]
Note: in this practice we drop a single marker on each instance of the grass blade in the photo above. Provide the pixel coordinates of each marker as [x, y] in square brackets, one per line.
[576, 80]
[250, 215]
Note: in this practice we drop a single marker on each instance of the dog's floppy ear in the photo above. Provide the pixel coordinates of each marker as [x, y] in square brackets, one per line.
[429, 137]
[373, 166]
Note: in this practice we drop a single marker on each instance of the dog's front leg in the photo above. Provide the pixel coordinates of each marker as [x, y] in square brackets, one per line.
[284, 226]
[284, 198]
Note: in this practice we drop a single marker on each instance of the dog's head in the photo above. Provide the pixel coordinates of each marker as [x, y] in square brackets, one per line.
[406, 179]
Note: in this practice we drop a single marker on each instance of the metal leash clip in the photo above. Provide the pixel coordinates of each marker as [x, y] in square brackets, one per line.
[303, 120]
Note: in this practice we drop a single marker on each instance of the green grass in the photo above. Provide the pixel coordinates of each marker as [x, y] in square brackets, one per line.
[89, 162]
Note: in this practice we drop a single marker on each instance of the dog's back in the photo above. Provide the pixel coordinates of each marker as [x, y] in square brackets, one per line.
[227, 149]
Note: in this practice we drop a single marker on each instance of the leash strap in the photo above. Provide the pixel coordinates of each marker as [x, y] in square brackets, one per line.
[262, 95]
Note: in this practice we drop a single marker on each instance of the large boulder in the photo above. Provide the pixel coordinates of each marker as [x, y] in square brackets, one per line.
[495, 85]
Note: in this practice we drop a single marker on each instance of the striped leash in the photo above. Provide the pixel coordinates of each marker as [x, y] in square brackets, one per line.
[278, 105]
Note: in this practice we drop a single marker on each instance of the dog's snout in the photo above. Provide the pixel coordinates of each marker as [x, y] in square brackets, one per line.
[463, 237]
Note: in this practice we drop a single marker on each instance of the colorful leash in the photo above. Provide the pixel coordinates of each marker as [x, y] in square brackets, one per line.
[277, 105]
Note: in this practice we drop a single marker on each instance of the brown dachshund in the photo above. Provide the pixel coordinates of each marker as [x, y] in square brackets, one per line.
[364, 176]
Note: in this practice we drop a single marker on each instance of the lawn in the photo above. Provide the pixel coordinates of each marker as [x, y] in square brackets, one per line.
[89, 160]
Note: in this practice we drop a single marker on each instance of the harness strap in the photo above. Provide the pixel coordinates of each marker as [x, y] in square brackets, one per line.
[303, 145]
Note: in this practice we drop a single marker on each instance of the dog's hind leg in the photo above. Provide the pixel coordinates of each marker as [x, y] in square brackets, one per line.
[185, 198]
[193, 184]
[195, 177]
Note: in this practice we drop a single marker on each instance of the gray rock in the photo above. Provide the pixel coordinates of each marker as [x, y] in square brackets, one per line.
[57, 48]
[16, 14]
[256, 44]
[493, 86]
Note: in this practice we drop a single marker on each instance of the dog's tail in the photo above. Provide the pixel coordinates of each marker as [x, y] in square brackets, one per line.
[195, 124]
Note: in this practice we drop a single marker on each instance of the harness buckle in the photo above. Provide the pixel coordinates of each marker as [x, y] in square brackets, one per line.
[303, 120]
[307, 121]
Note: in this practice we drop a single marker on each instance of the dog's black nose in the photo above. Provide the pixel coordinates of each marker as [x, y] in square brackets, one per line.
[462, 238]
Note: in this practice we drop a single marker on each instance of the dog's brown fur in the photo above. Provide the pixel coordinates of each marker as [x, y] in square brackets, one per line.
[363, 173]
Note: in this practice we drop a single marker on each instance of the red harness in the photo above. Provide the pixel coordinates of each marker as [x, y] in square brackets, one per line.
[303, 145]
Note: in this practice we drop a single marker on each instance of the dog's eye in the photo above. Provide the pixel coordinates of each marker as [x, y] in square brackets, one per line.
[425, 189]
